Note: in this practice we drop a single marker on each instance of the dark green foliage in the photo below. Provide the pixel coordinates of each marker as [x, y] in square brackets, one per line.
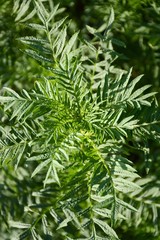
[67, 146]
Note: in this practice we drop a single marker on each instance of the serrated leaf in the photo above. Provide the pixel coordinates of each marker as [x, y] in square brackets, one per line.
[125, 120]
[124, 185]
[57, 25]
[73, 217]
[37, 56]
[64, 153]
[57, 164]
[54, 215]
[31, 39]
[35, 235]
[13, 92]
[126, 205]
[19, 225]
[56, 175]
[110, 21]
[103, 212]
[48, 175]
[42, 156]
[36, 26]
[5, 155]
[29, 16]
[106, 228]
[138, 92]
[124, 173]
[40, 167]
[4, 99]
[16, 6]
[20, 154]
[90, 46]
[119, 131]
[8, 135]
[23, 9]
[61, 39]
[146, 96]
[41, 11]
[52, 14]
[126, 123]
[26, 94]
[100, 199]
[18, 108]
[64, 223]
[131, 86]
[126, 79]
[70, 44]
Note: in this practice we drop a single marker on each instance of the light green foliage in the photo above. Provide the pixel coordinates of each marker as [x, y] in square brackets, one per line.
[70, 139]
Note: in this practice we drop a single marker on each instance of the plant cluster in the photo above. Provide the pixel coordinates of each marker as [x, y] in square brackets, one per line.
[75, 149]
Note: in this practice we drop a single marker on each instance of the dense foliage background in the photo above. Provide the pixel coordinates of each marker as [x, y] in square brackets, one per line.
[77, 126]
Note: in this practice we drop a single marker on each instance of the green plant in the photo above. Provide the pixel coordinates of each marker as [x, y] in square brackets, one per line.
[67, 146]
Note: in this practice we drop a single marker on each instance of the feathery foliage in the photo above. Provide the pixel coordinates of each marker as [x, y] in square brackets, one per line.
[70, 139]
